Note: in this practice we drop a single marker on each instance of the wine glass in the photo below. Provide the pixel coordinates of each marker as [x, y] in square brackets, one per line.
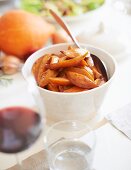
[70, 145]
[21, 116]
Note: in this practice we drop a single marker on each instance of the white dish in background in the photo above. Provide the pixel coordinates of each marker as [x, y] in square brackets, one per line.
[80, 105]
[79, 23]
[85, 21]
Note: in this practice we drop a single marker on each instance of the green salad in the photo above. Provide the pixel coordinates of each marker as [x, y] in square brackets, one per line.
[62, 7]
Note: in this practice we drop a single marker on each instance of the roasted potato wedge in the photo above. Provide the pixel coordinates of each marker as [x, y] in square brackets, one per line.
[81, 80]
[52, 87]
[99, 82]
[66, 63]
[99, 67]
[54, 59]
[89, 70]
[62, 58]
[83, 63]
[75, 52]
[74, 89]
[90, 62]
[81, 71]
[36, 66]
[97, 74]
[60, 81]
[63, 88]
[42, 66]
[46, 76]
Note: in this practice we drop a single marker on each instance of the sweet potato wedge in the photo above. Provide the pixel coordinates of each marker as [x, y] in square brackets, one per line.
[42, 66]
[52, 87]
[83, 63]
[89, 70]
[81, 71]
[100, 82]
[45, 77]
[81, 80]
[60, 81]
[89, 61]
[54, 59]
[74, 89]
[62, 58]
[97, 75]
[63, 88]
[36, 66]
[75, 52]
[99, 67]
[67, 63]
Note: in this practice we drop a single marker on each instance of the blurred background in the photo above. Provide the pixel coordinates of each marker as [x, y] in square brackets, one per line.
[105, 24]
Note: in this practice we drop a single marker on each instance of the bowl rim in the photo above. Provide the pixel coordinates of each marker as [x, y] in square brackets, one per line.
[67, 44]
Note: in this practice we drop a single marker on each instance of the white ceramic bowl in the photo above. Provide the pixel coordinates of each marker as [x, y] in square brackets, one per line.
[80, 105]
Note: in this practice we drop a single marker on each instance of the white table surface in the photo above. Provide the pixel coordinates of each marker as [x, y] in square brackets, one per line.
[113, 150]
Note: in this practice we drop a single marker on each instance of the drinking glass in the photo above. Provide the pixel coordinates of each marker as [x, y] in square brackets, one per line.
[70, 145]
[21, 115]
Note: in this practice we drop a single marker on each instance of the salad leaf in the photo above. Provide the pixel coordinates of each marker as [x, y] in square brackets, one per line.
[93, 5]
[34, 6]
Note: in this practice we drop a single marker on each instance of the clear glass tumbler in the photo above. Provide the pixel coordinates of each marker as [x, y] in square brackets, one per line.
[70, 146]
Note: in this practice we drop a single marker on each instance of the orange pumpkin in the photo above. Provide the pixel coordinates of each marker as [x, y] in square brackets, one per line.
[22, 33]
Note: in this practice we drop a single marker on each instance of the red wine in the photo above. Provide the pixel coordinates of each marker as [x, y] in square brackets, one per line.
[19, 128]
